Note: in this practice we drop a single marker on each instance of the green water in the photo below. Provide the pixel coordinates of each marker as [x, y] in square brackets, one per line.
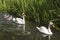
[10, 31]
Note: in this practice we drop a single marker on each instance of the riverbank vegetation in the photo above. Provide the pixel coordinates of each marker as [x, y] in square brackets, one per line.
[39, 11]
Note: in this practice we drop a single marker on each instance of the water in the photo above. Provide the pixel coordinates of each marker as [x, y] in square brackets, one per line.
[10, 31]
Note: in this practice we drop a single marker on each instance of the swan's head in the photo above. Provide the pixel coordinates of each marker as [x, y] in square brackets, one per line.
[51, 23]
[23, 14]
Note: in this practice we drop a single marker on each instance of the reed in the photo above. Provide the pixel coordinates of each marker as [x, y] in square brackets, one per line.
[36, 10]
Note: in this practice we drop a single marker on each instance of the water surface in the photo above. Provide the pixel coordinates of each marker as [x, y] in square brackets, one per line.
[10, 31]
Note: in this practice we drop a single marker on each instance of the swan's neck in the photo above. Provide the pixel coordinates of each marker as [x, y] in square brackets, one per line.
[49, 30]
[23, 19]
[49, 26]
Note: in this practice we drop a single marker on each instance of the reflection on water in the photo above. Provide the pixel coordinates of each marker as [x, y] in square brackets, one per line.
[10, 31]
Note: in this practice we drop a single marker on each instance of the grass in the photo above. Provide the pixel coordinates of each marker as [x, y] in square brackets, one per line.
[39, 11]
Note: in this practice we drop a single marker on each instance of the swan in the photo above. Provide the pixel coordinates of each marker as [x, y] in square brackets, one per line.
[15, 20]
[6, 15]
[19, 20]
[46, 31]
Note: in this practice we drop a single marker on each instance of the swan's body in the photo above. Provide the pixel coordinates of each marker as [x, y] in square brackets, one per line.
[44, 30]
[16, 20]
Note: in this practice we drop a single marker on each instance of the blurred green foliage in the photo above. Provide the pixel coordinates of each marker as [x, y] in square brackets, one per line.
[40, 11]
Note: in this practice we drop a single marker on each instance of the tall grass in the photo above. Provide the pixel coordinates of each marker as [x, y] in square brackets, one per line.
[40, 11]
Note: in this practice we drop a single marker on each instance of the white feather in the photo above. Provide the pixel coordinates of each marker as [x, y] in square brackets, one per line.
[44, 30]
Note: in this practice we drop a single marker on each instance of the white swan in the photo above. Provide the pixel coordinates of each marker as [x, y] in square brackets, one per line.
[19, 20]
[6, 15]
[44, 30]
[16, 20]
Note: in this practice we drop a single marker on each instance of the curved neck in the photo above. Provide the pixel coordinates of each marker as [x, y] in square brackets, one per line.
[23, 19]
[49, 28]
